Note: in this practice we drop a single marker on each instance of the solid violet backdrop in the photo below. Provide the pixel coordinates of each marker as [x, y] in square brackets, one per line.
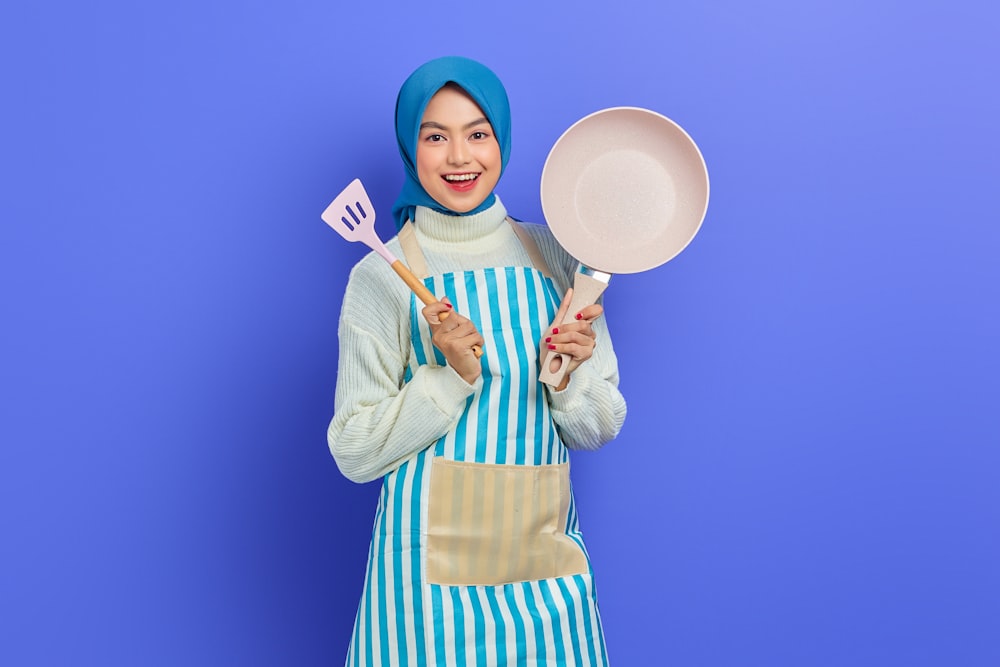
[808, 473]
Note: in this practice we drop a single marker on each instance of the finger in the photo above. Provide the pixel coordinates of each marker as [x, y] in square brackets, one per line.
[459, 328]
[576, 351]
[583, 327]
[563, 307]
[436, 312]
[447, 313]
[454, 328]
[471, 340]
[578, 338]
[589, 313]
[462, 342]
[577, 332]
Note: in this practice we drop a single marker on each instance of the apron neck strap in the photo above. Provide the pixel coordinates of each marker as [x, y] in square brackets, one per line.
[530, 247]
[418, 264]
[411, 250]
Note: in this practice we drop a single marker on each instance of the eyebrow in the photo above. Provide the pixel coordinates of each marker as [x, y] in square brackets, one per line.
[467, 126]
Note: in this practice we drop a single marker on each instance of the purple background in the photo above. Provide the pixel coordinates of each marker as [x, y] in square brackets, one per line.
[808, 474]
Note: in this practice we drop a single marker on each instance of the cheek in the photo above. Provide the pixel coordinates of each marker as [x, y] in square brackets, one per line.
[425, 167]
[492, 154]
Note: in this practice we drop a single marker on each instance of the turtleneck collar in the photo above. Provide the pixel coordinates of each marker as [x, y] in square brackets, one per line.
[445, 228]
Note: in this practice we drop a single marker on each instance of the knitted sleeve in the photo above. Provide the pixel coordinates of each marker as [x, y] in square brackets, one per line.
[590, 411]
[379, 420]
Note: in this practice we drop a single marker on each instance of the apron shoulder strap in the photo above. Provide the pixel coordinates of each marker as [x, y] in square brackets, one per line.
[418, 264]
[530, 247]
[411, 250]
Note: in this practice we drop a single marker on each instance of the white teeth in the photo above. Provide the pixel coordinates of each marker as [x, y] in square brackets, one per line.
[461, 177]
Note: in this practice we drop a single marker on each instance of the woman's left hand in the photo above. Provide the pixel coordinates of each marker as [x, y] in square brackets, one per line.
[576, 338]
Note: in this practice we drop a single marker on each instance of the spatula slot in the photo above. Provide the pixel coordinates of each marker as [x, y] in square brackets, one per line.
[357, 221]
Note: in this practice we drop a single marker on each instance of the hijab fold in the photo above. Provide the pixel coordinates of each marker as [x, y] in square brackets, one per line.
[482, 85]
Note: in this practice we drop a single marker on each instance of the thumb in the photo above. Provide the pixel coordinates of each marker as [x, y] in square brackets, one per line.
[563, 307]
[444, 314]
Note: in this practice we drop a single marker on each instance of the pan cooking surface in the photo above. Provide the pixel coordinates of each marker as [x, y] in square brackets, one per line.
[624, 190]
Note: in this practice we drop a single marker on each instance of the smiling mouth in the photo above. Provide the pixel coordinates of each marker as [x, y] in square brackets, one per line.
[458, 178]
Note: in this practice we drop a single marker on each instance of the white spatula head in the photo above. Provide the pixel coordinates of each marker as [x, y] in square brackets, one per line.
[352, 215]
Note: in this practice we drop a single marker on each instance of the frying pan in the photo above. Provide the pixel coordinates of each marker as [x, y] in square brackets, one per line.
[623, 190]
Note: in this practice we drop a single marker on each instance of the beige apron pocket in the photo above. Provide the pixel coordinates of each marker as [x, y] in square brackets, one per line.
[497, 524]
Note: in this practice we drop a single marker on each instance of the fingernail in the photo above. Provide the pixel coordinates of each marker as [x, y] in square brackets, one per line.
[449, 305]
[549, 339]
[579, 316]
[552, 347]
[555, 331]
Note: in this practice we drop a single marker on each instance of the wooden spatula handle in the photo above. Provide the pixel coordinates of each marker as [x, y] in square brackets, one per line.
[424, 294]
[413, 283]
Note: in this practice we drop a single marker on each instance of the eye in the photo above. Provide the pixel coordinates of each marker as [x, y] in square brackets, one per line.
[434, 138]
[479, 136]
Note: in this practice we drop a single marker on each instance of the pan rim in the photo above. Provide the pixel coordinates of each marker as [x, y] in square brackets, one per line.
[567, 232]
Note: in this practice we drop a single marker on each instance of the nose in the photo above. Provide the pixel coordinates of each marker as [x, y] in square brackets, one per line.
[458, 153]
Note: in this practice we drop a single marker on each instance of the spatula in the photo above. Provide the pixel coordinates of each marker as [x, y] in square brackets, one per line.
[352, 215]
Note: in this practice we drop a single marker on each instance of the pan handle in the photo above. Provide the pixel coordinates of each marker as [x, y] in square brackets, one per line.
[586, 290]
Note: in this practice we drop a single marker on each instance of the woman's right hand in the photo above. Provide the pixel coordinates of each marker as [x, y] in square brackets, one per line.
[455, 336]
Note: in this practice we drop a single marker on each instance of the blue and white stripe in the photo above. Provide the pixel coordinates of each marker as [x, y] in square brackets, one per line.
[404, 621]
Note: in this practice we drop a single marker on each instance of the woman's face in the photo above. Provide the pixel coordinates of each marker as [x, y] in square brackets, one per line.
[458, 157]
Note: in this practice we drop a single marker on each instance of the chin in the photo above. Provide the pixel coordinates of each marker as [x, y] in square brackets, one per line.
[463, 205]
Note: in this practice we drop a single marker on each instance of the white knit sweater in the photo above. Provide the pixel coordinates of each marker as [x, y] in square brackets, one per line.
[379, 421]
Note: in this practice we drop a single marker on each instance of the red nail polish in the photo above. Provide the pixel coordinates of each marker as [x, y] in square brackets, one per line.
[448, 304]
[552, 347]
[549, 339]
[555, 331]
[579, 316]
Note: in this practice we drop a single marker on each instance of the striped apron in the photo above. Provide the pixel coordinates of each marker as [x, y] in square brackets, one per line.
[476, 555]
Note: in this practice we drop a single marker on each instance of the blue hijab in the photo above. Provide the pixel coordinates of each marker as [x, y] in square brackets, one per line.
[482, 85]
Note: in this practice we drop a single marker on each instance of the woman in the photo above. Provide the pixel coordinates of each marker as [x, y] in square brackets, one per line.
[476, 555]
